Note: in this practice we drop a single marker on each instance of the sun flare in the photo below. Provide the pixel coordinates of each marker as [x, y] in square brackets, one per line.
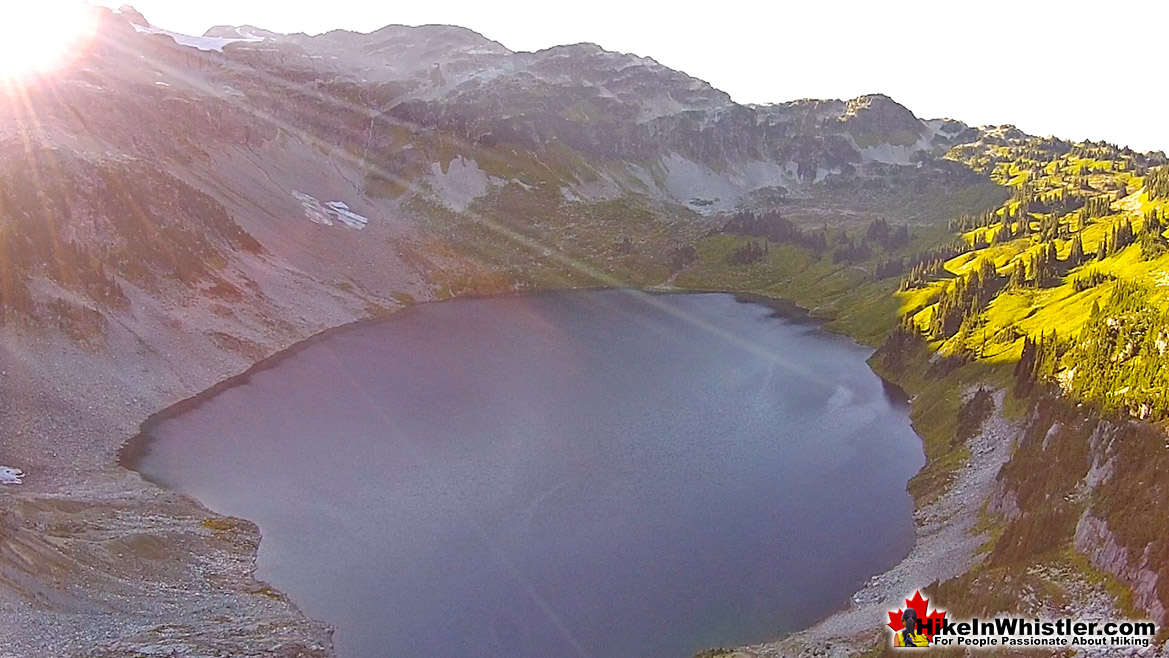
[38, 37]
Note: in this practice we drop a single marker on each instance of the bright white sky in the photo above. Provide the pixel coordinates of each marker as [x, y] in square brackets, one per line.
[1070, 68]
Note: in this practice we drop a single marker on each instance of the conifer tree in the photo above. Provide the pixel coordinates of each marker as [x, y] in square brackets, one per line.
[1076, 255]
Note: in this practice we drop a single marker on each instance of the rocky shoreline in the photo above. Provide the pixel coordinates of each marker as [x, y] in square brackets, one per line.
[96, 561]
[947, 545]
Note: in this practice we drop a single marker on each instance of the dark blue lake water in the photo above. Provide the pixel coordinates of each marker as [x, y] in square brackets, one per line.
[605, 474]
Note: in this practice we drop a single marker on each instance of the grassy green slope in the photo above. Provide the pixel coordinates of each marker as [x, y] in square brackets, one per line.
[1106, 364]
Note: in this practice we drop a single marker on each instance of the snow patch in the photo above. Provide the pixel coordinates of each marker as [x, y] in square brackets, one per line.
[330, 212]
[216, 44]
[462, 183]
[936, 128]
[9, 475]
[699, 186]
[347, 216]
[707, 191]
[758, 173]
[889, 154]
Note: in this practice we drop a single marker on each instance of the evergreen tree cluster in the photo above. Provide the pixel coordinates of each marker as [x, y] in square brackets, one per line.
[1018, 277]
[901, 341]
[1043, 265]
[1051, 228]
[973, 414]
[1076, 254]
[970, 222]
[1120, 236]
[921, 273]
[849, 250]
[930, 264]
[1153, 246]
[1157, 184]
[752, 252]
[1056, 201]
[1010, 231]
[682, 256]
[964, 299]
[1154, 221]
[1152, 240]
[1101, 150]
[889, 268]
[1097, 206]
[1120, 359]
[1008, 213]
[776, 228]
[880, 232]
[1038, 362]
[1038, 269]
[1091, 280]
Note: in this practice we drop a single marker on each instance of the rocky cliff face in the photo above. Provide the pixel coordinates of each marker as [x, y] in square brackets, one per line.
[1120, 529]
[1094, 539]
[1062, 487]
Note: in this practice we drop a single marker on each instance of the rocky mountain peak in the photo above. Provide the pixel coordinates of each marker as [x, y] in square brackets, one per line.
[130, 13]
[876, 118]
[877, 103]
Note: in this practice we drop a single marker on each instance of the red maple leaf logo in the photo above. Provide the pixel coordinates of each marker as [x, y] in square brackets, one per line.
[919, 606]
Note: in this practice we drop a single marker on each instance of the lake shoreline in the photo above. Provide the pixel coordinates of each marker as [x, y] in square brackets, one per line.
[137, 446]
[948, 539]
[134, 448]
[199, 541]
